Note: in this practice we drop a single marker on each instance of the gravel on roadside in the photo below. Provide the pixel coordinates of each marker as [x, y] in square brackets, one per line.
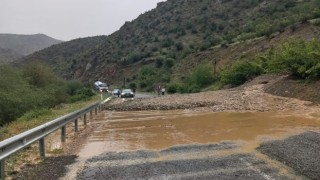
[51, 168]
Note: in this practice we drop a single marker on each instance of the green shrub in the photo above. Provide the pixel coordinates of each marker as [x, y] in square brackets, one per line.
[133, 86]
[82, 94]
[194, 89]
[73, 86]
[299, 58]
[179, 46]
[172, 88]
[35, 114]
[159, 63]
[202, 76]
[32, 89]
[240, 72]
[39, 75]
[167, 42]
[168, 63]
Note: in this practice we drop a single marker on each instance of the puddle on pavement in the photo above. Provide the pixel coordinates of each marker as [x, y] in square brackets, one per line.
[125, 131]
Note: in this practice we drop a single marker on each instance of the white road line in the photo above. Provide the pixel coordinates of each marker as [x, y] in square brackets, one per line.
[264, 175]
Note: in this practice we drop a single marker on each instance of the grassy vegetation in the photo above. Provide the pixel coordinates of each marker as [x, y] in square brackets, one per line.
[37, 117]
[240, 72]
[33, 90]
[31, 120]
[32, 96]
[298, 58]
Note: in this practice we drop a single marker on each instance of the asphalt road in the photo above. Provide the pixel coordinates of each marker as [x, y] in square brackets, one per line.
[213, 161]
[143, 95]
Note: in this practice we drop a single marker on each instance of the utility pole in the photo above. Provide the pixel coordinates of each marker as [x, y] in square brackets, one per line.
[124, 82]
[215, 67]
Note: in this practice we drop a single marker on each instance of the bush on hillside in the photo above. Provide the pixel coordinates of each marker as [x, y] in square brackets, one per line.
[240, 72]
[82, 94]
[299, 58]
[172, 88]
[149, 76]
[202, 76]
[39, 75]
[73, 86]
[32, 88]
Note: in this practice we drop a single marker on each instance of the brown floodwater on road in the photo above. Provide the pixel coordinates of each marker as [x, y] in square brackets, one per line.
[126, 131]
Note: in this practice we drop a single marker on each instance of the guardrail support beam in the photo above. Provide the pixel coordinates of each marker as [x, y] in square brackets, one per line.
[2, 170]
[85, 119]
[76, 125]
[90, 115]
[63, 134]
[96, 111]
[42, 148]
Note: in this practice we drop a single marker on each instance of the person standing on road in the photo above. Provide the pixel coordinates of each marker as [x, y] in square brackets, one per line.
[118, 93]
[163, 90]
[159, 90]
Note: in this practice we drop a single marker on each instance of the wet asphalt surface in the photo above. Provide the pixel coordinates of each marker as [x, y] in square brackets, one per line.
[297, 157]
[213, 161]
[301, 152]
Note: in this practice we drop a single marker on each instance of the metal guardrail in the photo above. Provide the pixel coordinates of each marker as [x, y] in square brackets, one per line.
[23, 140]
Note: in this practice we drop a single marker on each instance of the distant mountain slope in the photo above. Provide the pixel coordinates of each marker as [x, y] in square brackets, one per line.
[8, 55]
[173, 31]
[61, 55]
[15, 46]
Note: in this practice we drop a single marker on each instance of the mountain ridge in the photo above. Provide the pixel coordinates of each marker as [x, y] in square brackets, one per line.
[15, 46]
[171, 32]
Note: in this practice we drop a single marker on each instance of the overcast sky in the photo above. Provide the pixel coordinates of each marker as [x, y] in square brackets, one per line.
[69, 19]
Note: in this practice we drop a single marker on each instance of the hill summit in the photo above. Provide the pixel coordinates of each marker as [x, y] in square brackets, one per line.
[14, 46]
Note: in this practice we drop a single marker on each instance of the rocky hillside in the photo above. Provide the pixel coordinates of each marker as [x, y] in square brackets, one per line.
[176, 31]
[14, 46]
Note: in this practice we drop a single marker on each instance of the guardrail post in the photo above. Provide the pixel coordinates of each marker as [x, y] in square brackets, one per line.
[90, 115]
[2, 169]
[95, 111]
[76, 125]
[63, 134]
[85, 119]
[42, 148]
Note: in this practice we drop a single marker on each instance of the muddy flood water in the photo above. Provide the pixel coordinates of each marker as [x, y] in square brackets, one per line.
[156, 130]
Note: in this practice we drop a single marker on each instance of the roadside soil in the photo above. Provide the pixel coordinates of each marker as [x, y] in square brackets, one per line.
[251, 97]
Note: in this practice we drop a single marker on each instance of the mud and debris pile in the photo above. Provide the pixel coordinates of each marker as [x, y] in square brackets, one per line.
[249, 97]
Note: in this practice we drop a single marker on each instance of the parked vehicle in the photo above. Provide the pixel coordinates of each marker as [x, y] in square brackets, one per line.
[103, 87]
[127, 93]
[100, 86]
[115, 92]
